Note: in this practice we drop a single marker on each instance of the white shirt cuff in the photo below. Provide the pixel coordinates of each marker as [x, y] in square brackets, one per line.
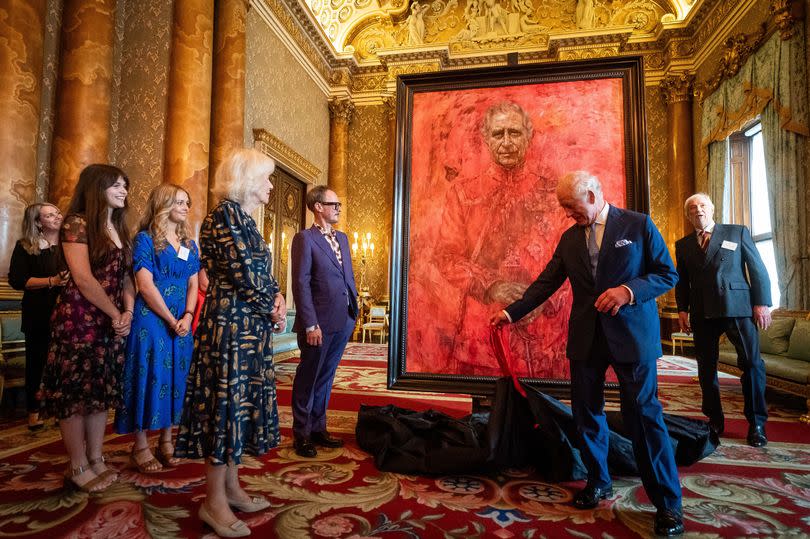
[312, 328]
[507, 316]
[632, 296]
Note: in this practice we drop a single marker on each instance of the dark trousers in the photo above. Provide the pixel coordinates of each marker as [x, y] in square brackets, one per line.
[742, 332]
[36, 354]
[312, 385]
[642, 416]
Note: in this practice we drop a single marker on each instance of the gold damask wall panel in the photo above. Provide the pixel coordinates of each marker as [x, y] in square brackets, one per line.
[282, 98]
[369, 207]
[53, 24]
[656, 113]
[141, 113]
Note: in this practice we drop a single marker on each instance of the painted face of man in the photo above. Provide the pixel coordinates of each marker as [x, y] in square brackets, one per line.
[507, 139]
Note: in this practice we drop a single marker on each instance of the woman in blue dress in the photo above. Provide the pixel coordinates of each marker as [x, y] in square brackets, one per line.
[230, 406]
[160, 344]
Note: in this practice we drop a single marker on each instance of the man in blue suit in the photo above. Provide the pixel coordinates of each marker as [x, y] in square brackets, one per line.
[724, 288]
[617, 263]
[326, 309]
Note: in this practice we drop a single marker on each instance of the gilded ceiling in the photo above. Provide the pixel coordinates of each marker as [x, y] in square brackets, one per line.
[368, 29]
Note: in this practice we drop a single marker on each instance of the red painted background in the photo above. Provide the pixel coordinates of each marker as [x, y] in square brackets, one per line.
[577, 126]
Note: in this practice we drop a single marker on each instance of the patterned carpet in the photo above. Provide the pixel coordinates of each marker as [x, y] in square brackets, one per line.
[739, 491]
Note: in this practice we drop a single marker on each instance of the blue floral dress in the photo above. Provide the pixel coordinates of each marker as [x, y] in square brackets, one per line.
[157, 360]
[230, 405]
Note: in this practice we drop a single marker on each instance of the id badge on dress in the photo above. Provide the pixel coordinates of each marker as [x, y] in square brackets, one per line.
[182, 254]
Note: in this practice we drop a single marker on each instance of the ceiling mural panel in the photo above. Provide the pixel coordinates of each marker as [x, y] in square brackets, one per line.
[363, 27]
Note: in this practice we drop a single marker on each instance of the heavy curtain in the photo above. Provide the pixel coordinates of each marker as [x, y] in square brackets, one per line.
[772, 84]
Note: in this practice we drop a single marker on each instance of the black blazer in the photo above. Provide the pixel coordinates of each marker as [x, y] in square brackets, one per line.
[726, 281]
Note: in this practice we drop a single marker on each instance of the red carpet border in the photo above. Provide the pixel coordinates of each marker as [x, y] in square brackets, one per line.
[737, 492]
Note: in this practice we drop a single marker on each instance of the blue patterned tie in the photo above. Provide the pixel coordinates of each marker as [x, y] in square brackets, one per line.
[593, 249]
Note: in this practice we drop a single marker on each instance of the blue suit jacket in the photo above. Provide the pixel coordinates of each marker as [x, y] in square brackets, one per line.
[324, 290]
[722, 282]
[633, 253]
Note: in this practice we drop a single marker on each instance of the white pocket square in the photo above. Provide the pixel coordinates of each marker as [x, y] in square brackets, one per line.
[622, 243]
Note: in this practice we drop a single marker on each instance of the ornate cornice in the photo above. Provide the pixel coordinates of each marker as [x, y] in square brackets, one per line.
[341, 110]
[677, 88]
[737, 49]
[295, 162]
[679, 46]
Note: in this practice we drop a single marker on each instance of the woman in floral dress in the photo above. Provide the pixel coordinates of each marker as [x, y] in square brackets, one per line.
[230, 405]
[159, 348]
[90, 323]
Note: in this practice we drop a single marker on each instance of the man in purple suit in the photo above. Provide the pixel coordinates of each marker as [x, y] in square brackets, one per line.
[326, 309]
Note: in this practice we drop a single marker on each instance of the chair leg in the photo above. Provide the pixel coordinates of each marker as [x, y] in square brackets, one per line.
[364, 334]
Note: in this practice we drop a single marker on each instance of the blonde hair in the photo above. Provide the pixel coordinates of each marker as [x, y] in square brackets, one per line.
[31, 229]
[156, 219]
[240, 174]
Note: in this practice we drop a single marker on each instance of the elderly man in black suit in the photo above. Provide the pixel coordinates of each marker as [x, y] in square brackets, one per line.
[724, 288]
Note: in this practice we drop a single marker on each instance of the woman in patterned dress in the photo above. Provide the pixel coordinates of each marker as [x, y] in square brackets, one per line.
[165, 263]
[230, 404]
[90, 323]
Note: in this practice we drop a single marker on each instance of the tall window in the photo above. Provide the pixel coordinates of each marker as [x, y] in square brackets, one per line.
[748, 196]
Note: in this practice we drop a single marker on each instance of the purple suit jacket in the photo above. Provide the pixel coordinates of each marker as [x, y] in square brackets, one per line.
[324, 290]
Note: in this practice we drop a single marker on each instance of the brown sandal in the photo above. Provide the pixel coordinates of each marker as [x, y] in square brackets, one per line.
[108, 472]
[144, 467]
[91, 487]
[166, 459]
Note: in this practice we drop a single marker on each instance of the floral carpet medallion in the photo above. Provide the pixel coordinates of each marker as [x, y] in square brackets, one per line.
[738, 491]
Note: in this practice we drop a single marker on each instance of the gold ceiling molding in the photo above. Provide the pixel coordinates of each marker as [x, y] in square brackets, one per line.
[270, 145]
[366, 76]
[737, 49]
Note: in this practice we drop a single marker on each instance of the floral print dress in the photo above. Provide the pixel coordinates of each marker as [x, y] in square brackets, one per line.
[230, 405]
[83, 371]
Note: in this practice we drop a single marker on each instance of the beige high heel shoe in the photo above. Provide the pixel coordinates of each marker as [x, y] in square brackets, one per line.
[237, 529]
[256, 503]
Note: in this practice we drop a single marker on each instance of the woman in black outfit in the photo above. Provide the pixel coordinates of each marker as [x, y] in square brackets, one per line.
[37, 270]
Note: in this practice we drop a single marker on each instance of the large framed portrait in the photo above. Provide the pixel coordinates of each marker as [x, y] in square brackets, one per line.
[476, 219]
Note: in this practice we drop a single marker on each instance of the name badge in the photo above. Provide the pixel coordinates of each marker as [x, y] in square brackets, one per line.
[730, 245]
[182, 254]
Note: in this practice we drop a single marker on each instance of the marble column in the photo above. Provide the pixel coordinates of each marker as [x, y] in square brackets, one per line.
[188, 122]
[228, 93]
[22, 34]
[82, 128]
[340, 114]
[677, 92]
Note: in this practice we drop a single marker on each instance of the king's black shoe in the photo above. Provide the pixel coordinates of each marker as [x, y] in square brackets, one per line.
[756, 436]
[589, 497]
[668, 523]
[324, 439]
[305, 448]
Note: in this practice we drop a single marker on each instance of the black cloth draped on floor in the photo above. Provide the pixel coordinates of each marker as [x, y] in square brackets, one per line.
[536, 431]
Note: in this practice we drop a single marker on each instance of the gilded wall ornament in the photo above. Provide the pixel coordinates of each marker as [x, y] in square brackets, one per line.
[737, 50]
[341, 110]
[677, 88]
[785, 14]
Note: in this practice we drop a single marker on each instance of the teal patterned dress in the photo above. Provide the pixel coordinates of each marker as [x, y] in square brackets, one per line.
[230, 404]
